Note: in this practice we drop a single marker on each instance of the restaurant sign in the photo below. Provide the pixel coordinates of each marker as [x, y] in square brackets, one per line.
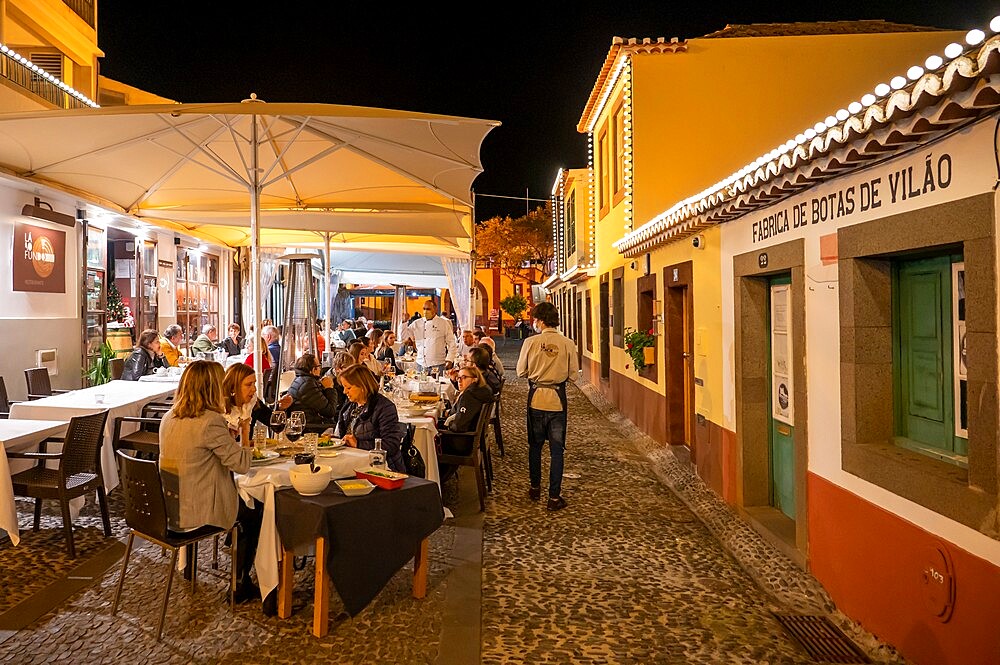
[39, 259]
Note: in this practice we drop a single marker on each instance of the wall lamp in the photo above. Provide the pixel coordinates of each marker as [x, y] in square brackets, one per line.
[43, 211]
[658, 310]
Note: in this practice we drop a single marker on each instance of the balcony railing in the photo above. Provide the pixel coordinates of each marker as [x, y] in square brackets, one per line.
[18, 70]
[84, 9]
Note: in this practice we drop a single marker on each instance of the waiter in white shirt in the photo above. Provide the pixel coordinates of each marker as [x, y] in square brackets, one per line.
[435, 339]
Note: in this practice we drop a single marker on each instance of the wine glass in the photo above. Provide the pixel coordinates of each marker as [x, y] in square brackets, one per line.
[293, 431]
[278, 420]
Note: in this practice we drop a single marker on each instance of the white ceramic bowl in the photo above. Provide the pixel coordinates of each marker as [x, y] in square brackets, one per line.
[308, 483]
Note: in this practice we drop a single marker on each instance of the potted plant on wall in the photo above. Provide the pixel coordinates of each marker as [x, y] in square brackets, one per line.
[514, 305]
[640, 345]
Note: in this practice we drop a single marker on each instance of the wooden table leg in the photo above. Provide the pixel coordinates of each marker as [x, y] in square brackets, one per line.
[321, 603]
[420, 566]
[286, 578]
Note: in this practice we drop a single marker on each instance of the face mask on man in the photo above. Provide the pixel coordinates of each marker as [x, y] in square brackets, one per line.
[428, 314]
[534, 326]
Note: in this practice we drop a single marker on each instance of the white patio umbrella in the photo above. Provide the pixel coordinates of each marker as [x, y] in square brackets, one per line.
[368, 174]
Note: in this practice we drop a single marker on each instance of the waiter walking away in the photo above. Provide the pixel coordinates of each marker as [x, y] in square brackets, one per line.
[548, 361]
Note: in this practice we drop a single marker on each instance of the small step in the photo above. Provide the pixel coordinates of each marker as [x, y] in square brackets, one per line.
[821, 639]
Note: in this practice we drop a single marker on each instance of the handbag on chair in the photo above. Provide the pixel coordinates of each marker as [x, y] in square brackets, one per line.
[414, 461]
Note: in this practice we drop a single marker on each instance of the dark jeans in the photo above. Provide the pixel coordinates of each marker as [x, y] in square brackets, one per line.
[551, 426]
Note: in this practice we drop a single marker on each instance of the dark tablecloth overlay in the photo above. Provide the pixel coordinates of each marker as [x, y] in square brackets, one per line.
[369, 537]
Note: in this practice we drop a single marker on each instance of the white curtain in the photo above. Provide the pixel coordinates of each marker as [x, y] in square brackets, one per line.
[268, 272]
[459, 272]
[399, 313]
[335, 278]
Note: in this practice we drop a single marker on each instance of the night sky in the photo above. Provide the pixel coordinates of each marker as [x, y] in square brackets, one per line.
[531, 66]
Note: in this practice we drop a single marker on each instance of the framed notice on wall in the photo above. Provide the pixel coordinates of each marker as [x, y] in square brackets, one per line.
[38, 260]
[781, 354]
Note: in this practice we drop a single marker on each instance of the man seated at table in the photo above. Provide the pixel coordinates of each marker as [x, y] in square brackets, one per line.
[482, 339]
[273, 338]
[146, 357]
[170, 344]
[467, 341]
[206, 340]
[314, 396]
[368, 415]
[197, 459]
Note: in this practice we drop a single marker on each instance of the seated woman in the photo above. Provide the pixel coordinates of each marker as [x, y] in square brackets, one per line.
[243, 406]
[473, 395]
[145, 358]
[369, 415]
[362, 355]
[483, 360]
[253, 343]
[409, 347]
[316, 397]
[197, 459]
[386, 349]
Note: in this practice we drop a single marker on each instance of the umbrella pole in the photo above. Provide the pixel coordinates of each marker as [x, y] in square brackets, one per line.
[255, 255]
[329, 296]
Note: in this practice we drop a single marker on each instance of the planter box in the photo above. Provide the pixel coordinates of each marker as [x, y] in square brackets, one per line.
[649, 355]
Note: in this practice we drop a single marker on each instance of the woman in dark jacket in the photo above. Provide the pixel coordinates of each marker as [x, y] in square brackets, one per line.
[145, 358]
[474, 394]
[370, 415]
[316, 397]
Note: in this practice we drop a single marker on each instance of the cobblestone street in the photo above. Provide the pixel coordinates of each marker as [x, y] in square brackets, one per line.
[645, 565]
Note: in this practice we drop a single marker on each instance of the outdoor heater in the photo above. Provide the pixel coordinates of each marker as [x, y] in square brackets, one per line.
[298, 330]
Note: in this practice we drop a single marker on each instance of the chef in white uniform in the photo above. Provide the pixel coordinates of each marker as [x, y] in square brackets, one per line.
[435, 339]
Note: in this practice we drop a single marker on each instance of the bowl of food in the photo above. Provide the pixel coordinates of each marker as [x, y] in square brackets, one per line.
[309, 483]
[354, 486]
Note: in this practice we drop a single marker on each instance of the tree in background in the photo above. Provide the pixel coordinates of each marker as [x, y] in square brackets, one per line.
[511, 244]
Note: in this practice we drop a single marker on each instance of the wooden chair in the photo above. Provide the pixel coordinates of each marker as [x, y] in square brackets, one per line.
[79, 472]
[473, 443]
[495, 420]
[146, 517]
[117, 368]
[5, 401]
[146, 439]
[39, 384]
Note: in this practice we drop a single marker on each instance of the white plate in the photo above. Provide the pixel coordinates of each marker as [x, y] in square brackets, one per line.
[327, 453]
[337, 443]
[269, 456]
[355, 486]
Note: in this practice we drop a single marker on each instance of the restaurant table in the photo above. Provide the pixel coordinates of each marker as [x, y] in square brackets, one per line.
[15, 436]
[172, 379]
[263, 480]
[120, 398]
[234, 360]
[360, 542]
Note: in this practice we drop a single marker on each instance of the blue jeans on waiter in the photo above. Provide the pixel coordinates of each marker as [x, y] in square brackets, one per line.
[550, 426]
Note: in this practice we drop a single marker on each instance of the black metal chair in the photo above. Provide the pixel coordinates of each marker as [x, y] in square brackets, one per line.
[146, 517]
[39, 384]
[466, 449]
[117, 368]
[79, 472]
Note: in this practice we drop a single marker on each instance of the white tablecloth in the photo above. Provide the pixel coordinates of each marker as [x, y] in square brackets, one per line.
[233, 360]
[157, 378]
[15, 436]
[120, 398]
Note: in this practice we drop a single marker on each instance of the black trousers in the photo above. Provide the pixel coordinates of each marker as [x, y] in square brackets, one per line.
[248, 522]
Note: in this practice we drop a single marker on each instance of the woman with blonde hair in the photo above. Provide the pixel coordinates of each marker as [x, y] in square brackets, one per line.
[197, 459]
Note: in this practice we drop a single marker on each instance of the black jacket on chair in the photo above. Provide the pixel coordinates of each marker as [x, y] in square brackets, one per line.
[467, 407]
[319, 404]
[141, 363]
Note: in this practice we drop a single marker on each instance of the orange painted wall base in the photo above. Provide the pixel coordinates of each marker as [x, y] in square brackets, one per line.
[872, 563]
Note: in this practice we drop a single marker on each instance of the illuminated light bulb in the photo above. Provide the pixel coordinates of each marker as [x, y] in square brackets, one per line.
[868, 100]
[995, 24]
[854, 108]
[933, 62]
[4, 49]
[842, 115]
[800, 138]
[882, 89]
[953, 50]
[897, 82]
[789, 144]
[810, 133]
[974, 37]
[774, 154]
[914, 72]
[819, 127]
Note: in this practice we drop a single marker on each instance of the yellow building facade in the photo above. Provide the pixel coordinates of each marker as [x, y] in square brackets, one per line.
[667, 120]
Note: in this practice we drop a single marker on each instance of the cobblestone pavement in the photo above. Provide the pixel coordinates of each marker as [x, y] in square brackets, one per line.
[645, 565]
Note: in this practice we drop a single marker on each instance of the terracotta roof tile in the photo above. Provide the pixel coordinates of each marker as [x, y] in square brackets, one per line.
[819, 28]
